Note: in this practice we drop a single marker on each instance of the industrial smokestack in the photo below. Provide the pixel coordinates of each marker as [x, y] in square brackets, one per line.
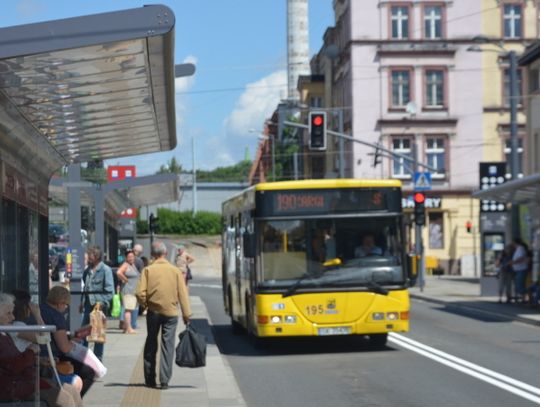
[297, 45]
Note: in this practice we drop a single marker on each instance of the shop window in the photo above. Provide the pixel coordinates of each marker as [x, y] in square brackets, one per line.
[436, 230]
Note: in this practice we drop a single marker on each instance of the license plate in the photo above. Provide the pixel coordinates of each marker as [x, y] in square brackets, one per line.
[338, 330]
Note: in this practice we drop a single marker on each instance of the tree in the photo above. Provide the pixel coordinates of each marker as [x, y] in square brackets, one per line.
[172, 166]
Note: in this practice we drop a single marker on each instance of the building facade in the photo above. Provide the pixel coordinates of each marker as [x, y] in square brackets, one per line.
[402, 74]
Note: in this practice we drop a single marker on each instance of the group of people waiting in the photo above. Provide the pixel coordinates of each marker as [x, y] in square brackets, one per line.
[513, 267]
[18, 351]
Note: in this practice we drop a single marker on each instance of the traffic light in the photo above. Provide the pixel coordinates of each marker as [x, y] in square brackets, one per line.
[153, 226]
[468, 226]
[317, 131]
[419, 208]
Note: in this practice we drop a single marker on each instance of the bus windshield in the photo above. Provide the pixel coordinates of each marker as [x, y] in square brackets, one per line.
[356, 251]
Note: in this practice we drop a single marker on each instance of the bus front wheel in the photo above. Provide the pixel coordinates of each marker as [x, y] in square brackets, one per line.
[378, 340]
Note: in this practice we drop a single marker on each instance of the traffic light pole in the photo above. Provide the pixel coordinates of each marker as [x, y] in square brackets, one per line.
[418, 241]
[365, 143]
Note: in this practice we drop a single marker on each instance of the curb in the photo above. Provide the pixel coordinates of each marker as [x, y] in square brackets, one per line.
[517, 318]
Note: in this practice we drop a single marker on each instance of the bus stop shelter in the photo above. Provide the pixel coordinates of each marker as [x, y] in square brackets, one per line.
[74, 90]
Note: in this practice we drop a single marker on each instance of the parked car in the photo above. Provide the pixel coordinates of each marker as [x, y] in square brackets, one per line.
[55, 232]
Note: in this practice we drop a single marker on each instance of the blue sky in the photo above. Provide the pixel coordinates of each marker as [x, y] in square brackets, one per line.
[235, 44]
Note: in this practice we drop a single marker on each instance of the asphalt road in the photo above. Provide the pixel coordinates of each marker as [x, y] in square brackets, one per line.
[447, 359]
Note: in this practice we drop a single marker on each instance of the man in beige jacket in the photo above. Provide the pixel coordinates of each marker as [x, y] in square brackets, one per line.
[161, 290]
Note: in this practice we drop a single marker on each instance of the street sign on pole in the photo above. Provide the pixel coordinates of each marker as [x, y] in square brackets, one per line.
[422, 181]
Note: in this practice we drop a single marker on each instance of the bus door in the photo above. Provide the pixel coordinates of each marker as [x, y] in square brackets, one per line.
[238, 258]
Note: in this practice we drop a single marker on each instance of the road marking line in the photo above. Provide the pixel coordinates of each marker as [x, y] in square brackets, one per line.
[489, 376]
[205, 285]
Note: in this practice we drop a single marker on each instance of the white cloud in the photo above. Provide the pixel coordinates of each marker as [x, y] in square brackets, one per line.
[256, 105]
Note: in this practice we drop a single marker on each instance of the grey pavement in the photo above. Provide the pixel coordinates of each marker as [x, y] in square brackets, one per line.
[464, 293]
[213, 385]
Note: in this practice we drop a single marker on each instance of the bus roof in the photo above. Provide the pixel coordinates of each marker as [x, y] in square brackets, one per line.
[328, 183]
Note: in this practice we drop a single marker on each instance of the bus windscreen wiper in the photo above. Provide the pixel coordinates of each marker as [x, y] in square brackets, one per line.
[292, 289]
[376, 288]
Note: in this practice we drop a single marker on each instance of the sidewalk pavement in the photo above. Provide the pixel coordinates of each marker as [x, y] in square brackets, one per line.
[464, 293]
[210, 386]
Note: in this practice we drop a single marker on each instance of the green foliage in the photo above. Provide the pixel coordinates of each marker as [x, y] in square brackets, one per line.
[234, 173]
[184, 223]
[172, 166]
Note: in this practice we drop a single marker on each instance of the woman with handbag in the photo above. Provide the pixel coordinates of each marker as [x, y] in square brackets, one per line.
[129, 277]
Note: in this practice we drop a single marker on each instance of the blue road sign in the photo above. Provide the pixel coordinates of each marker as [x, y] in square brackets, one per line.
[422, 181]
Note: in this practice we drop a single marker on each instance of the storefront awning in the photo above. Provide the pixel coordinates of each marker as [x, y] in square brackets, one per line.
[523, 191]
[91, 87]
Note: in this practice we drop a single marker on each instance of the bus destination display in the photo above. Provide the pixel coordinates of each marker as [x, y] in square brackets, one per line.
[308, 202]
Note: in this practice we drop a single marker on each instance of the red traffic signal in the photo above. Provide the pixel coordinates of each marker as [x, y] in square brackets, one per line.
[317, 120]
[317, 131]
[468, 226]
[419, 197]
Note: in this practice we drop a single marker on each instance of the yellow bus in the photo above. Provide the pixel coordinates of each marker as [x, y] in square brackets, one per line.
[316, 258]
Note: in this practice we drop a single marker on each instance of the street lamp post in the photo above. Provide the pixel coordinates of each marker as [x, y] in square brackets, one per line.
[514, 142]
[513, 96]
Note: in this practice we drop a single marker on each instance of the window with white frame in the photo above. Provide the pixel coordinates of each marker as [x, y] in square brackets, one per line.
[401, 166]
[401, 87]
[400, 22]
[433, 22]
[434, 88]
[436, 155]
[508, 157]
[512, 20]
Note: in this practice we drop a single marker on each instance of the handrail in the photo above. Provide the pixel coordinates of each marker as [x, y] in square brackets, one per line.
[27, 328]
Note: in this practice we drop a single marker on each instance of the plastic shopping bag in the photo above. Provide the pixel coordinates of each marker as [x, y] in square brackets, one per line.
[98, 322]
[116, 306]
[86, 356]
[191, 351]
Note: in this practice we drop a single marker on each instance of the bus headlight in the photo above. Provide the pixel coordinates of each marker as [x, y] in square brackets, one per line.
[392, 316]
[378, 316]
[290, 319]
[276, 319]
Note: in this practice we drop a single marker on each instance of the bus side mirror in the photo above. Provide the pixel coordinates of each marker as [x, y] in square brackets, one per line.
[249, 245]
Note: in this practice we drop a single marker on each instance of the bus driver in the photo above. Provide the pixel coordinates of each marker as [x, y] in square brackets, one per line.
[368, 247]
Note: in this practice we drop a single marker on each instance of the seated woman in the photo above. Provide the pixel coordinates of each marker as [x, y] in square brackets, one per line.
[18, 370]
[24, 308]
[52, 312]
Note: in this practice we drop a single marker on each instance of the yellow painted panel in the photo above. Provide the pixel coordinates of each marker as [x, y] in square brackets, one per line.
[328, 183]
[351, 310]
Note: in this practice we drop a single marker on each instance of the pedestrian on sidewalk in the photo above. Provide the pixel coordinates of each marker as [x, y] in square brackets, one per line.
[129, 277]
[505, 273]
[98, 287]
[183, 260]
[520, 265]
[161, 290]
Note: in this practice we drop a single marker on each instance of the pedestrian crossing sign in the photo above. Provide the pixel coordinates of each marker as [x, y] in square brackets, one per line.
[422, 181]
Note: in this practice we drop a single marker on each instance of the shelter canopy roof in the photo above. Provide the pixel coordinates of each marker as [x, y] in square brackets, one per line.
[92, 87]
